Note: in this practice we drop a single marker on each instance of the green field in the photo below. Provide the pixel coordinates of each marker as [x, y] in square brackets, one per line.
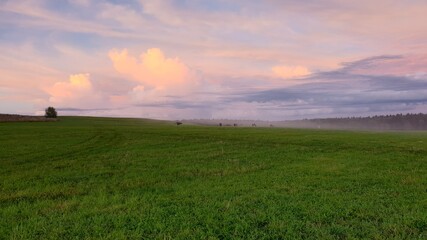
[90, 178]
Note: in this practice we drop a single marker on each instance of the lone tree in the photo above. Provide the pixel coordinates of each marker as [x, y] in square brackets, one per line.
[50, 112]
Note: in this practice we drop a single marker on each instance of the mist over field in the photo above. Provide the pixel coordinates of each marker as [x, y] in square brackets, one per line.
[381, 123]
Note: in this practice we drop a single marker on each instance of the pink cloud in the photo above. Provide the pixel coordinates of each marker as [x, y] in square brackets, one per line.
[76, 92]
[157, 76]
[290, 72]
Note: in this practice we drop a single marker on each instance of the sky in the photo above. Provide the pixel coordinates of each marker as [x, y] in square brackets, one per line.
[214, 59]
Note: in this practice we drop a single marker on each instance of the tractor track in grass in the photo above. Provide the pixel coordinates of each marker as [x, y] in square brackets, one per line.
[103, 140]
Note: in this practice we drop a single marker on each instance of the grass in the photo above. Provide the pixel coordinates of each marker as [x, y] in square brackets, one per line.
[90, 178]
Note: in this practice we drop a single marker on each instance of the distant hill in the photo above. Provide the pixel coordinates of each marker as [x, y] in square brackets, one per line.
[23, 118]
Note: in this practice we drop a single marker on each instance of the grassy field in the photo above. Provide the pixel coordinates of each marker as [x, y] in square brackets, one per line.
[90, 178]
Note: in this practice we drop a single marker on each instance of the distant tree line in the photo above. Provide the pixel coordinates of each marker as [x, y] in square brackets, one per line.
[383, 122]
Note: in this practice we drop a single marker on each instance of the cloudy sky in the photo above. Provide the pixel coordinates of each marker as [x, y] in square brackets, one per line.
[175, 59]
